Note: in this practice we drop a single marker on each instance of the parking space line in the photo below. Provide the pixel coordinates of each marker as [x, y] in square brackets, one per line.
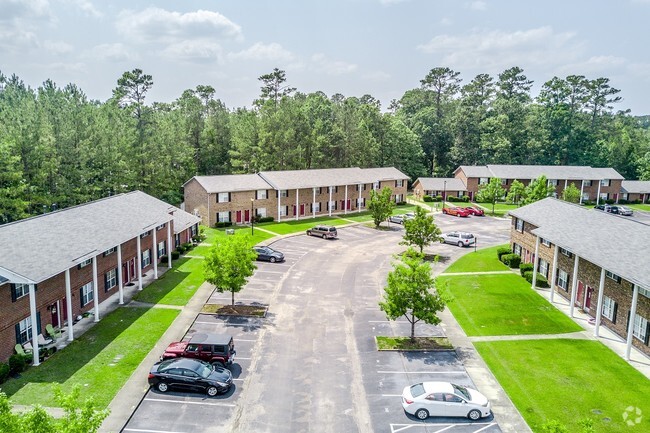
[243, 339]
[240, 358]
[150, 431]
[487, 426]
[394, 428]
[270, 272]
[391, 395]
[422, 372]
[228, 324]
[206, 403]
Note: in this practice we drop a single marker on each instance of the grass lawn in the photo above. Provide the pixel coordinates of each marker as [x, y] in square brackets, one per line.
[480, 261]
[644, 207]
[212, 235]
[501, 304]
[176, 286]
[292, 226]
[586, 380]
[500, 209]
[101, 360]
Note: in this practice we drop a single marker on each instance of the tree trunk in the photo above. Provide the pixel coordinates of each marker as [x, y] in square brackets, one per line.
[412, 328]
[232, 293]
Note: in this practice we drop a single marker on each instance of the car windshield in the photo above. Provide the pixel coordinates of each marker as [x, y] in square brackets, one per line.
[417, 390]
[332, 229]
[203, 370]
[462, 391]
[467, 236]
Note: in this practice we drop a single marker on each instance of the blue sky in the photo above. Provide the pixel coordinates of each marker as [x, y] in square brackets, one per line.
[353, 47]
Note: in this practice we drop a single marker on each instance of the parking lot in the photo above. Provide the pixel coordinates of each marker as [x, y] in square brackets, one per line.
[311, 365]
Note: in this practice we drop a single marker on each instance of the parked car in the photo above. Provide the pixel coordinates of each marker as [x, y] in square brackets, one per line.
[191, 375]
[268, 254]
[216, 349]
[621, 210]
[325, 232]
[455, 211]
[461, 239]
[409, 215]
[603, 207]
[475, 210]
[444, 399]
[398, 219]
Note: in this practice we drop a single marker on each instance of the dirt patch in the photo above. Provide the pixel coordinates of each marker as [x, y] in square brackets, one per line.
[235, 310]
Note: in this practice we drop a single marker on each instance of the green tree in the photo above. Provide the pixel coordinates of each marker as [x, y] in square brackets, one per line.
[538, 189]
[12, 187]
[571, 194]
[274, 87]
[410, 292]
[229, 263]
[381, 206]
[516, 192]
[491, 192]
[420, 231]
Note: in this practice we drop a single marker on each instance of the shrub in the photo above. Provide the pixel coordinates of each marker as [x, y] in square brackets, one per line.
[512, 260]
[541, 281]
[163, 259]
[175, 255]
[427, 199]
[4, 372]
[401, 203]
[221, 224]
[623, 201]
[525, 267]
[180, 249]
[609, 201]
[465, 198]
[17, 364]
[503, 250]
[452, 199]
[268, 219]
[187, 246]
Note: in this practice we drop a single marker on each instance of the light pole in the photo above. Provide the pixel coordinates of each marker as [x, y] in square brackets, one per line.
[444, 193]
[252, 217]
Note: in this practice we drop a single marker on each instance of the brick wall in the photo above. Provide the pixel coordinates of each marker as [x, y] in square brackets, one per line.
[196, 198]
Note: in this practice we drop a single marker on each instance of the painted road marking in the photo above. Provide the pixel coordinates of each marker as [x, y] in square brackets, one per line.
[204, 403]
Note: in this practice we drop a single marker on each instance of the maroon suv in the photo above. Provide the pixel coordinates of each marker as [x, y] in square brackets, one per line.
[216, 349]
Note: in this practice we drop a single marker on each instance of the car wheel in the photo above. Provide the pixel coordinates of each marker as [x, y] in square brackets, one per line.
[460, 244]
[422, 414]
[212, 391]
[272, 260]
[162, 387]
[308, 233]
[474, 415]
[324, 236]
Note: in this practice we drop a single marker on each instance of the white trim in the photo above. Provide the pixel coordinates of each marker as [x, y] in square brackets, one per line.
[95, 290]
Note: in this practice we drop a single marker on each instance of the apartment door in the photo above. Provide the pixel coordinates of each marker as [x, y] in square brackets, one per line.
[238, 216]
[588, 295]
[349, 207]
[580, 294]
[247, 216]
[302, 209]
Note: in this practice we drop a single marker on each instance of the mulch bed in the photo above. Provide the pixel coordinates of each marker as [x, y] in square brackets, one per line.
[420, 343]
[235, 310]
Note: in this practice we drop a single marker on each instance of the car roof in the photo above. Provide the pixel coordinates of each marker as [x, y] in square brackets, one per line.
[206, 338]
[430, 387]
[189, 363]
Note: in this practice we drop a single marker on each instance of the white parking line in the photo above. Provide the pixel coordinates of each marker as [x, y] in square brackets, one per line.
[423, 372]
[489, 425]
[228, 324]
[391, 395]
[150, 431]
[394, 428]
[242, 339]
[270, 272]
[245, 359]
[206, 403]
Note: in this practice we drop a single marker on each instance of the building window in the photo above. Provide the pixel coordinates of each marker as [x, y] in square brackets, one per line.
[587, 183]
[585, 196]
[284, 210]
[223, 197]
[624, 195]
[399, 198]
[145, 234]
[161, 249]
[261, 212]
[483, 180]
[399, 183]
[552, 182]
[516, 249]
[177, 240]
[604, 182]
[20, 290]
[609, 308]
[613, 276]
[110, 251]
[545, 242]
[563, 280]
[604, 196]
[504, 182]
[640, 327]
[160, 227]
[87, 294]
[24, 329]
[361, 202]
[543, 267]
[566, 252]
[194, 228]
[284, 193]
[644, 292]
[111, 279]
[315, 207]
[84, 263]
[375, 185]
[260, 194]
[146, 258]
[519, 225]
[223, 217]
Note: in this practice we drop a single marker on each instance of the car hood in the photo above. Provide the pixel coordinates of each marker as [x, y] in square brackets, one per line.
[221, 374]
[477, 397]
[178, 347]
[277, 254]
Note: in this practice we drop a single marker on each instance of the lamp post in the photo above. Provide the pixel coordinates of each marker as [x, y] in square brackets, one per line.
[444, 193]
[252, 217]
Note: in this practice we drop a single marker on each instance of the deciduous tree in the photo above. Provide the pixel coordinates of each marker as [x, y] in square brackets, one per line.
[516, 192]
[571, 193]
[420, 231]
[538, 189]
[491, 192]
[229, 263]
[381, 206]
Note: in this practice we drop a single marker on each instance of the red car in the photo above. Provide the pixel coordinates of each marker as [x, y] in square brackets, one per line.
[456, 211]
[475, 211]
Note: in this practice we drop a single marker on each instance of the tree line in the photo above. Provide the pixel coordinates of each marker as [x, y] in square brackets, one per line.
[58, 148]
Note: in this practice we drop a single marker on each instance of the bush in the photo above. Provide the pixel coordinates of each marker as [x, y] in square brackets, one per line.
[401, 203]
[623, 201]
[427, 199]
[221, 224]
[187, 246]
[17, 363]
[175, 255]
[609, 201]
[268, 219]
[512, 260]
[525, 267]
[4, 372]
[503, 250]
[541, 281]
[465, 198]
[452, 198]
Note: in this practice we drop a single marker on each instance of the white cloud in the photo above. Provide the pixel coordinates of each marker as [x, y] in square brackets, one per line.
[446, 21]
[262, 51]
[198, 50]
[57, 47]
[331, 67]
[19, 22]
[111, 53]
[87, 7]
[478, 5]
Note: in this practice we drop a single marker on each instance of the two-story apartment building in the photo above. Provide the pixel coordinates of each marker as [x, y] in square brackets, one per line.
[291, 194]
[597, 261]
[632, 190]
[439, 186]
[57, 266]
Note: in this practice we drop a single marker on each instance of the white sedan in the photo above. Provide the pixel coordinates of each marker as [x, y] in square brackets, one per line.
[444, 399]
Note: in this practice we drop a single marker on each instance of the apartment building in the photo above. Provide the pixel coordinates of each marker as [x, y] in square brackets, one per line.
[439, 186]
[632, 190]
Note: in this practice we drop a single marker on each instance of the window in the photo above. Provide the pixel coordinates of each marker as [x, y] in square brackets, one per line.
[223, 217]
[333, 189]
[261, 212]
[110, 279]
[20, 290]
[545, 242]
[223, 197]
[284, 193]
[194, 228]
[160, 227]
[516, 249]
[87, 293]
[361, 202]
[110, 251]
[504, 181]
[604, 182]
[609, 308]
[483, 180]
[585, 196]
[161, 249]
[331, 205]
[399, 198]
[84, 263]
[552, 182]
[563, 280]
[644, 292]
[283, 210]
[260, 194]
[145, 234]
[146, 258]
[399, 183]
[624, 195]
[543, 267]
[177, 240]
[519, 225]
[315, 207]
[375, 185]
[24, 330]
[613, 276]
[604, 196]
[640, 327]
[566, 252]
[587, 183]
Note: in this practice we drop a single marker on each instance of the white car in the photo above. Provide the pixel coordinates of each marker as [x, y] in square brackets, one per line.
[461, 239]
[399, 219]
[444, 399]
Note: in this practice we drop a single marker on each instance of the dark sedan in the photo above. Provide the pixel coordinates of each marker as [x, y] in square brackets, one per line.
[190, 375]
[268, 254]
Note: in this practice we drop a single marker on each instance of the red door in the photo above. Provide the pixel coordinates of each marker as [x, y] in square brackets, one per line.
[349, 204]
[247, 215]
[125, 273]
[590, 292]
[581, 289]
[302, 209]
[238, 217]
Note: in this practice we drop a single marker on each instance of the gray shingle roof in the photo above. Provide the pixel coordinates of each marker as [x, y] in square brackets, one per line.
[297, 179]
[46, 245]
[552, 172]
[620, 245]
[383, 173]
[438, 184]
[184, 220]
[474, 170]
[636, 186]
[230, 183]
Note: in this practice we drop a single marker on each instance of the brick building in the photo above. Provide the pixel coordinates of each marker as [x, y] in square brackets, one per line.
[439, 186]
[292, 194]
[57, 266]
[632, 190]
[608, 254]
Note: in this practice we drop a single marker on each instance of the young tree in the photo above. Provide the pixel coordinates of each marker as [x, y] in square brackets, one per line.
[491, 192]
[538, 189]
[421, 231]
[516, 192]
[571, 194]
[229, 263]
[380, 206]
[409, 292]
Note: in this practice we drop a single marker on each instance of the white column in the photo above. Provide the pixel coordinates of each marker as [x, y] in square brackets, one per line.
[313, 203]
[297, 208]
[329, 203]
[554, 271]
[359, 202]
[68, 303]
[601, 295]
[598, 196]
[279, 197]
[630, 325]
[535, 261]
[574, 284]
[33, 317]
[345, 203]
[139, 265]
[58, 316]
[169, 244]
[155, 254]
[120, 284]
[582, 189]
[95, 290]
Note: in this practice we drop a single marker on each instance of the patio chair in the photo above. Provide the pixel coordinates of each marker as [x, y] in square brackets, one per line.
[52, 331]
[21, 350]
[42, 341]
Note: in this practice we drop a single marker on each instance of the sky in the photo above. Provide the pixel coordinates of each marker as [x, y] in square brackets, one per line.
[353, 47]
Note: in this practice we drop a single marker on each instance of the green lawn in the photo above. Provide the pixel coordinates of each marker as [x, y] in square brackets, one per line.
[569, 380]
[501, 304]
[176, 286]
[101, 360]
[292, 226]
[643, 207]
[480, 261]
[500, 209]
[213, 234]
